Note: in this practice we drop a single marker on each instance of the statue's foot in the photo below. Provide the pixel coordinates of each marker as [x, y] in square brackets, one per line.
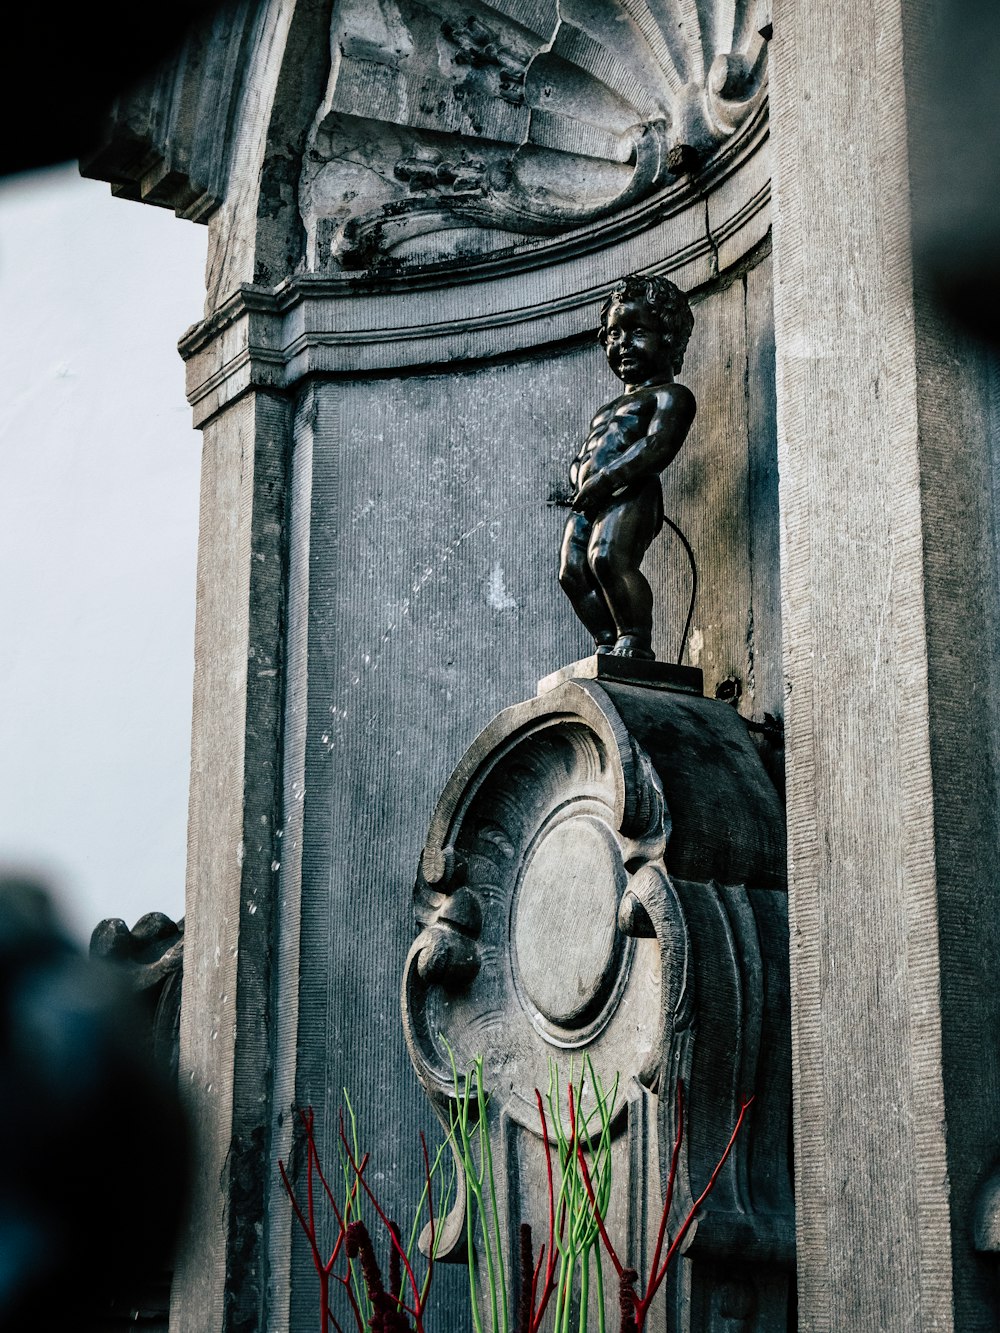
[608, 647]
[633, 645]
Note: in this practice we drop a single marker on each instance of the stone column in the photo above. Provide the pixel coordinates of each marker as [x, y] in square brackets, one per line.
[889, 629]
[233, 850]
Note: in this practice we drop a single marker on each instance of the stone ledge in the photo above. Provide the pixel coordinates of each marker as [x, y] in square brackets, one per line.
[375, 325]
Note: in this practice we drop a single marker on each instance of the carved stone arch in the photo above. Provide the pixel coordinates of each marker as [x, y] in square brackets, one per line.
[221, 128]
[169, 141]
[367, 231]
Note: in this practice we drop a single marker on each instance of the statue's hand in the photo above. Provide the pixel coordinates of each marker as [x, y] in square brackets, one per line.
[594, 494]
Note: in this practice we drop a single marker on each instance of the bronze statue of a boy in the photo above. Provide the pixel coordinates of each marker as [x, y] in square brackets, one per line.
[618, 500]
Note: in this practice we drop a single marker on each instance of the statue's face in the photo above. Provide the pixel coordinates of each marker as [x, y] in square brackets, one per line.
[634, 343]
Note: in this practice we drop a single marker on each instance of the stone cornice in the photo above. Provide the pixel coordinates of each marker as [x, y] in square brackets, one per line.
[168, 142]
[386, 322]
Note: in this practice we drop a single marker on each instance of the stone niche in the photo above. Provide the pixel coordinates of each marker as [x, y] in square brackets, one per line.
[415, 210]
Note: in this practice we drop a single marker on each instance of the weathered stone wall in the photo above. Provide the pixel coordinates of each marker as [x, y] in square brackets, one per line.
[414, 212]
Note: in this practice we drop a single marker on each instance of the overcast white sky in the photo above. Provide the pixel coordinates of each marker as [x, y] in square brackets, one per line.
[98, 527]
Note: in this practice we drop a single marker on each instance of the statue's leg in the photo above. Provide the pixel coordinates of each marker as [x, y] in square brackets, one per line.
[580, 586]
[619, 540]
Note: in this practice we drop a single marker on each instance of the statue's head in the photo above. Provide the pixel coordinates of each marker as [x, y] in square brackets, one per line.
[661, 309]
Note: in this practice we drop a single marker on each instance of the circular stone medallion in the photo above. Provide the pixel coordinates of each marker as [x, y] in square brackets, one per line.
[564, 926]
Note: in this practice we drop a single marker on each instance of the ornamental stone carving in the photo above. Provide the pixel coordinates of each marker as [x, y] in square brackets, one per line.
[451, 130]
[602, 877]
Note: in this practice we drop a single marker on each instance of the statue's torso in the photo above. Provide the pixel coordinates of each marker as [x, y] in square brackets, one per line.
[614, 429]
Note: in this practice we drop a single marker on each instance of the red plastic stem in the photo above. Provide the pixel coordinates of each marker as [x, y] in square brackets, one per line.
[422, 1296]
[345, 1282]
[385, 1222]
[307, 1119]
[671, 1178]
[308, 1221]
[313, 1156]
[322, 1178]
[619, 1266]
[534, 1281]
[686, 1224]
[324, 1301]
[550, 1268]
[303, 1223]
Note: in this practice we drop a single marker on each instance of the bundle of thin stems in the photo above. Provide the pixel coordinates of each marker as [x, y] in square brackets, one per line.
[557, 1284]
[351, 1267]
[570, 1256]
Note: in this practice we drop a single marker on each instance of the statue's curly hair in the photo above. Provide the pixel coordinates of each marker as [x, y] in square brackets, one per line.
[666, 301]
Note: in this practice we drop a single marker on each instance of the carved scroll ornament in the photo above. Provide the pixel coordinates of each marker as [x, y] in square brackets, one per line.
[599, 879]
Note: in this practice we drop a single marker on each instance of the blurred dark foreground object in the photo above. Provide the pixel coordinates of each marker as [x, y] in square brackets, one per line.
[66, 63]
[956, 161]
[96, 1149]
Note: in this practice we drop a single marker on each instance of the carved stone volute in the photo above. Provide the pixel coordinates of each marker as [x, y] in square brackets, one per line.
[353, 151]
